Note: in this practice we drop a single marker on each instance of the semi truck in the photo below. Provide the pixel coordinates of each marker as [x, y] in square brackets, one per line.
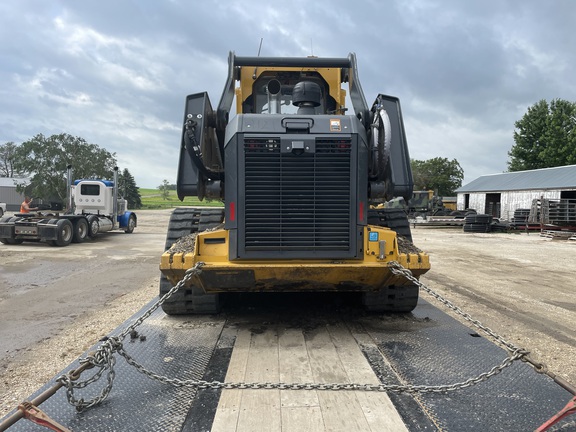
[92, 207]
[298, 171]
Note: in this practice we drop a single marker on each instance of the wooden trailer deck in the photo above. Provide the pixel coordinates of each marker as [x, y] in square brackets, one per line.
[329, 355]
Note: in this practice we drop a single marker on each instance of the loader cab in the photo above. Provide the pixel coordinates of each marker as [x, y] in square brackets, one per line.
[273, 93]
[270, 90]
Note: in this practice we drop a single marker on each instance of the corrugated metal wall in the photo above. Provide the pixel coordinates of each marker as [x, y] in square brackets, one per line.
[12, 198]
[509, 201]
[460, 201]
[477, 202]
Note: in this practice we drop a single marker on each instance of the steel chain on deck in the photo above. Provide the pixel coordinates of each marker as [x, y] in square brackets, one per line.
[104, 359]
[516, 353]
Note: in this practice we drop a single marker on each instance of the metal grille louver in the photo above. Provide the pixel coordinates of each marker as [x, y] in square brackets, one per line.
[297, 202]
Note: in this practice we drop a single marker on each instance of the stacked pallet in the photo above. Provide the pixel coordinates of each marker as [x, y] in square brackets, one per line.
[558, 235]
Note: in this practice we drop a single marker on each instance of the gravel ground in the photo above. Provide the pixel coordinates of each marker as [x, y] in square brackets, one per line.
[57, 302]
[519, 285]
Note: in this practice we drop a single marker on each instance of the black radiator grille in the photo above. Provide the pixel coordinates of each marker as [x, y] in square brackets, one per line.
[297, 202]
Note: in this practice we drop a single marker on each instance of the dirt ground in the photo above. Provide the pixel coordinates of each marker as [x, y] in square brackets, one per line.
[520, 285]
[57, 302]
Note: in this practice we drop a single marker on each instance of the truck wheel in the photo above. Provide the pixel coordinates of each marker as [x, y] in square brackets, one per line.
[93, 226]
[80, 231]
[4, 240]
[65, 232]
[131, 225]
[11, 241]
[399, 299]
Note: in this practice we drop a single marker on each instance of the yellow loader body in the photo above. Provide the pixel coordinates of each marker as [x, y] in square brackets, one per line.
[219, 274]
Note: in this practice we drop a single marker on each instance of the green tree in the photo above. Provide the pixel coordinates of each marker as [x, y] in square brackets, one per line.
[545, 136]
[129, 190]
[438, 174]
[7, 151]
[45, 161]
[164, 189]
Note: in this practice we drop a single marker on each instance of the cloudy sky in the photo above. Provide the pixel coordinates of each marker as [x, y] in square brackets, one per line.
[116, 72]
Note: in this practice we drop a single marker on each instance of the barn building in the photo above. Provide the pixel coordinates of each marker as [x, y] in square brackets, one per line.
[501, 194]
[9, 194]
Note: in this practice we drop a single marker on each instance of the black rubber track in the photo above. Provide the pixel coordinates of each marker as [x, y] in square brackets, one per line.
[395, 219]
[478, 219]
[393, 298]
[477, 228]
[190, 300]
[397, 299]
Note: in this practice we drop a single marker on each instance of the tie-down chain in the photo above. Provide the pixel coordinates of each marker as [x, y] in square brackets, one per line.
[103, 359]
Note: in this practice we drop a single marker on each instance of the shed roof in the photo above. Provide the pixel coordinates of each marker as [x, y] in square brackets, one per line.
[7, 181]
[12, 181]
[563, 177]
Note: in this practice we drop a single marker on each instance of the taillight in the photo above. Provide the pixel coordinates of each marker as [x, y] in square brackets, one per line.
[232, 209]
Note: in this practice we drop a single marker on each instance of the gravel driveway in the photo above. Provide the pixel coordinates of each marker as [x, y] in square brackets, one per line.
[520, 285]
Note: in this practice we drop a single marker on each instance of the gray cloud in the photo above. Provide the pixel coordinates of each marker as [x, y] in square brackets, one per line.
[117, 73]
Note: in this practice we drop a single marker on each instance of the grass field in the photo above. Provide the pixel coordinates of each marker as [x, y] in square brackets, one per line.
[152, 199]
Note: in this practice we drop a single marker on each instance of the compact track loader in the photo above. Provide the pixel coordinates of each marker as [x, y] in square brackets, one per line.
[298, 172]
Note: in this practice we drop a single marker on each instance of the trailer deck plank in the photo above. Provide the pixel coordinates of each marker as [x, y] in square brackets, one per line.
[229, 405]
[298, 419]
[380, 413]
[341, 410]
[260, 409]
[295, 368]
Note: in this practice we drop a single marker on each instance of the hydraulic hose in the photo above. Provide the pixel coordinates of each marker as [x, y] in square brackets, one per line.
[195, 152]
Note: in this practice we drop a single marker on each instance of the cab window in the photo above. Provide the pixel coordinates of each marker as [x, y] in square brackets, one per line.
[89, 189]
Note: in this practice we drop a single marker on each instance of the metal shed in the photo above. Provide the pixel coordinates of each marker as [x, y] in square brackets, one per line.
[8, 193]
[501, 194]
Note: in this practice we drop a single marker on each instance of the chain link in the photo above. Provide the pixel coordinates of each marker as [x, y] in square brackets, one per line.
[521, 353]
[104, 359]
